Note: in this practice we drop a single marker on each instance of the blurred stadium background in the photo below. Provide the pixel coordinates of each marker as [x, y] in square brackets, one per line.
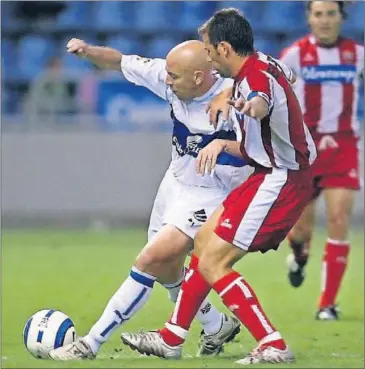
[82, 147]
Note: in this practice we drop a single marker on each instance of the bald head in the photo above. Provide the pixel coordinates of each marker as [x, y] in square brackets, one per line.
[189, 56]
[189, 70]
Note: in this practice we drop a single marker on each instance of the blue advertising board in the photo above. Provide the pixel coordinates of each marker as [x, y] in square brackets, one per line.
[123, 106]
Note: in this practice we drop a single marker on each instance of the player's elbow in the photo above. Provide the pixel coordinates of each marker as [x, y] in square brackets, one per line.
[262, 113]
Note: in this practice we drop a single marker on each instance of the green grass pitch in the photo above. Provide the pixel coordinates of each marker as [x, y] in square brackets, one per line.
[77, 272]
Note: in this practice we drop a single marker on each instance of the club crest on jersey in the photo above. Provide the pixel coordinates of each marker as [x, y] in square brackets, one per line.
[348, 57]
[308, 57]
[192, 145]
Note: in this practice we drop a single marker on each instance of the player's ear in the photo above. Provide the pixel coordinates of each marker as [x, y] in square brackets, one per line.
[224, 48]
[198, 77]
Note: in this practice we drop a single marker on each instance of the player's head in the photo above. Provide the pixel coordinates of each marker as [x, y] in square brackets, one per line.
[189, 70]
[227, 36]
[325, 19]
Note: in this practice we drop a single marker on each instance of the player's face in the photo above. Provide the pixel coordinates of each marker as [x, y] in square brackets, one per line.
[218, 61]
[180, 80]
[325, 20]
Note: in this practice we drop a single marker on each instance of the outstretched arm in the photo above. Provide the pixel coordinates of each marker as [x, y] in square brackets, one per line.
[149, 73]
[103, 57]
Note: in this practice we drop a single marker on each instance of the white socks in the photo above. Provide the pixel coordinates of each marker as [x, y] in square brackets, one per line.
[127, 301]
[131, 296]
[207, 315]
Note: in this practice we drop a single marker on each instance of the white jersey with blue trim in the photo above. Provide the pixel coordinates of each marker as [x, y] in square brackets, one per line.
[191, 128]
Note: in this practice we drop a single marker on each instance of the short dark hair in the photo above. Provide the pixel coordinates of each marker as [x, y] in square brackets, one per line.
[231, 26]
[341, 7]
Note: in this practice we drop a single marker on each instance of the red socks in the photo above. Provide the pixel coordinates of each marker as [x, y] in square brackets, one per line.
[194, 290]
[333, 268]
[236, 294]
[239, 297]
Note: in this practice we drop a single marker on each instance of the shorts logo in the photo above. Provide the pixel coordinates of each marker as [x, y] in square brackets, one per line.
[199, 216]
[327, 142]
[144, 60]
[353, 173]
[233, 307]
[226, 223]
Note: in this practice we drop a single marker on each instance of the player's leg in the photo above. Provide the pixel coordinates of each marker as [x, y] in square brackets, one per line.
[188, 212]
[340, 183]
[270, 207]
[213, 321]
[167, 265]
[167, 342]
[339, 205]
[169, 244]
[215, 265]
[248, 218]
[299, 240]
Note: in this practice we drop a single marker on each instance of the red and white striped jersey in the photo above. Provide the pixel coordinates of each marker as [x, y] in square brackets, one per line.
[281, 139]
[327, 83]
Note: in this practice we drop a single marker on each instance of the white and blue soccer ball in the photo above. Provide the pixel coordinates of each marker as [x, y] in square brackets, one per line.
[46, 330]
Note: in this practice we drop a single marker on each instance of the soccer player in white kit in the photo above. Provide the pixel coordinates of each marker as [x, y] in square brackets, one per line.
[258, 214]
[185, 199]
[329, 69]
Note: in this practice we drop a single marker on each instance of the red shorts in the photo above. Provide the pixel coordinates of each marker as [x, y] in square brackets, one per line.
[259, 213]
[336, 167]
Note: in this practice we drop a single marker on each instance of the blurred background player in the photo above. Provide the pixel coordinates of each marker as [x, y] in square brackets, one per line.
[328, 69]
[49, 95]
[185, 199]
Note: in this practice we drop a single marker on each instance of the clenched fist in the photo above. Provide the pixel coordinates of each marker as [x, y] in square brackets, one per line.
[77, 46]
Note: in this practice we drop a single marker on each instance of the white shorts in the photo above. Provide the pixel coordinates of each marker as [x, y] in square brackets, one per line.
[185, 207]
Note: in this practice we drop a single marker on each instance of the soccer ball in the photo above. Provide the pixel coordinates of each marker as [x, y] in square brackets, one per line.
[47, 330]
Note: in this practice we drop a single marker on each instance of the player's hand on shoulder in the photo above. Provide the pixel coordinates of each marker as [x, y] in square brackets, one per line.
[219, 107]
[77, 46]
[207, 157]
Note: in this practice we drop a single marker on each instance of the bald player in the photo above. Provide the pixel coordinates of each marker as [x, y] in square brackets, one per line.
[184, 200]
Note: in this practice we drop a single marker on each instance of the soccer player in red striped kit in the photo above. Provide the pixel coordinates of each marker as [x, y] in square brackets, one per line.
[259, 213]
[328, 69]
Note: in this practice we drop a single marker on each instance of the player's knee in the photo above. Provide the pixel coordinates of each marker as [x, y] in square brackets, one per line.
[338, 219]
[200, 241]
[147, 260]
[302, 231]
[208, 265]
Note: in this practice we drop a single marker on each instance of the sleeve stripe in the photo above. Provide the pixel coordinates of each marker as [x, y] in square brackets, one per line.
[252, 94]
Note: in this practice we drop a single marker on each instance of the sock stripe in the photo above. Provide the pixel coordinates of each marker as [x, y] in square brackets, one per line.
[108, 328]
[271, 337]
[136, 301]
[144, 278]
[178, 331]
[246, 291]
[177, 283]
[262, 319]
[323, 276]
[338, 243]
[119, 315]
[177, 307]
[225, 290]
